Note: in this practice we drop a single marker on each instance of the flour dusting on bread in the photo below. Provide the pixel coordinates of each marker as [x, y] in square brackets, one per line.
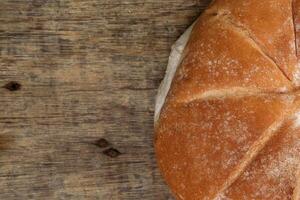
[227, 118]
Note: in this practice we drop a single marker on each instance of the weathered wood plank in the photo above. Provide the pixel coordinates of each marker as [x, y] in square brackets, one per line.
[87, 69]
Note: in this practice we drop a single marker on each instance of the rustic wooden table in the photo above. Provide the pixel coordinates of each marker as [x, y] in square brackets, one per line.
[72, 73]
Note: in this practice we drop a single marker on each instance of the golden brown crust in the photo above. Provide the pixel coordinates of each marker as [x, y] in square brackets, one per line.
[221, 55]
[201, 143]
[273, 174]
[271, 23]
[226, 130]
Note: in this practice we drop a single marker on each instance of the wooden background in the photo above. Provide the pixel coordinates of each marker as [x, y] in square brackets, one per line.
[73, 72]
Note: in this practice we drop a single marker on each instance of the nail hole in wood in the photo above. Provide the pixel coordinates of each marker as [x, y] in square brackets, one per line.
[13, 86]
[102, 143]
[112, 152]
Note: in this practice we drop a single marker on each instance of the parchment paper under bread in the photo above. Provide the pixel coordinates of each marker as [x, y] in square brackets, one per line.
[174, 62]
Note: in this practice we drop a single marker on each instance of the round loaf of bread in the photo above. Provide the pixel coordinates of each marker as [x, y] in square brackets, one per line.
[229, 128]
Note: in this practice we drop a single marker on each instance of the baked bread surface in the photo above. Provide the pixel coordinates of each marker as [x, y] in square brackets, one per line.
[230, 125]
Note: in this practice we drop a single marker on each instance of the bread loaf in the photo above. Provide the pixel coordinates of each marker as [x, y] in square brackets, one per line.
[229, 128]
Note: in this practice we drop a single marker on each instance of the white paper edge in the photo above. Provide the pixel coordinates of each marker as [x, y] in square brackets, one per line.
[175, 59]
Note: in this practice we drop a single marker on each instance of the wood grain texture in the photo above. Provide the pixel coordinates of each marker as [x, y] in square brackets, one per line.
[73, 72]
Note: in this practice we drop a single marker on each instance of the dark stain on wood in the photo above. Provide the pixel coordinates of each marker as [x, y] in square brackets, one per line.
[112, 152]
[90, 68]
[102, 143]
[12, 86]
